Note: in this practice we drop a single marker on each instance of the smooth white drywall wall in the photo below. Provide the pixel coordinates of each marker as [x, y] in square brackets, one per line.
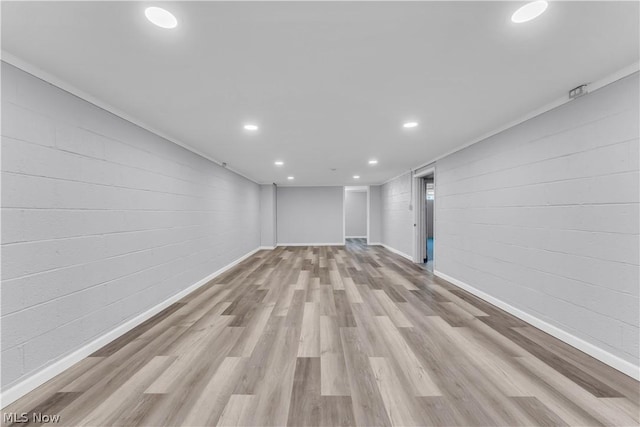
[101, 220]
[268, 215]
[310, 215]
[375, 214]
[355, 212]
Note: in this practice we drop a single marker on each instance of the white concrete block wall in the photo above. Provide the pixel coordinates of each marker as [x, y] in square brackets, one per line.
[397, 219]
[101, 220]
[545, 217]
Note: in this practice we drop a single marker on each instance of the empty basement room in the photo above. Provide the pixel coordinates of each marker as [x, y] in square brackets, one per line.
[215, 213]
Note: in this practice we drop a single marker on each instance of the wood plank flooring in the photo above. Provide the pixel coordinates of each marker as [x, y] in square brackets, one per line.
[335, 336]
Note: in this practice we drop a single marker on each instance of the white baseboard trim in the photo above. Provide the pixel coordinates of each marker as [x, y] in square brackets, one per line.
[374, 244]
[355, 237]
[397, 252]
[604, 356]
[266, 248]
[44, 375]
[311, 244]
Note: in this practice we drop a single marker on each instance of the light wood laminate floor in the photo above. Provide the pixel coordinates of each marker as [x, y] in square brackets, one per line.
[329, 336]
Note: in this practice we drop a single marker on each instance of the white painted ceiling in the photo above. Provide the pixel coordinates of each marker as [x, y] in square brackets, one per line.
[329, 83]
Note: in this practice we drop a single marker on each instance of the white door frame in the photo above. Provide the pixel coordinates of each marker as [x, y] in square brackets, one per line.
[419, 223]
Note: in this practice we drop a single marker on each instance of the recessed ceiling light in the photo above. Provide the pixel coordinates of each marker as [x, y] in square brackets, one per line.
[289, 178]
[373, 162]
[251, 127]
[410, 124]
[278, 163]
[529, 11]
[161, 17]
[356, 176]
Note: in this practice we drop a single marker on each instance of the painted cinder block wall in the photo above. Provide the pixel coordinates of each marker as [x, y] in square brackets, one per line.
[545, 217]
[101, 220]
[397, 219]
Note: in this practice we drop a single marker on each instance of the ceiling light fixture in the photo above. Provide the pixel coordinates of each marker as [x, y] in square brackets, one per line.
[529, 11]
[356, 176]
[279, 163]
[373, 162]
[251, 127]
[161, 17]
[410, 124]
[289, 178]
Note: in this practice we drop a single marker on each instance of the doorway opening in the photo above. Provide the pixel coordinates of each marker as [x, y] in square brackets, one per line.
[427, 261]
[356, 215]
[424, 195]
